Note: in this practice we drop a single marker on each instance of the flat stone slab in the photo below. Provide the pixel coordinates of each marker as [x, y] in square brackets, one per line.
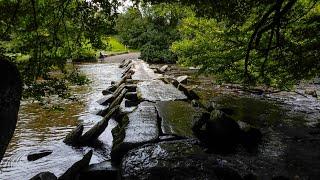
[183, 159]
[177, 117]
[143, 124]
[143, 72]
[157, 90]
[138, 128]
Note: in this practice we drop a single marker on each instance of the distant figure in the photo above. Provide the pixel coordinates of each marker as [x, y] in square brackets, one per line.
[102, 55]
[10, 95]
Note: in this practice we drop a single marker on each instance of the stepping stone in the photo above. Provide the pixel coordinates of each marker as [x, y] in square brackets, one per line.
[105, 100]
[177, 117]
[182, 79]
[143, 72]
[139, 127]
[157, 90]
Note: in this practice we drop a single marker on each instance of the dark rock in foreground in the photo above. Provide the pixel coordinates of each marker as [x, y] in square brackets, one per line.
[100, 171]
[217, 131]
[74, 171]
[44, 176]
[138, 128]
[183, 159]
[10, 95]
[37, 155]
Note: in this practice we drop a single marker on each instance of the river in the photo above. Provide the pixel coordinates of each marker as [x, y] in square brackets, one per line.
[45, 128]
[289, 122]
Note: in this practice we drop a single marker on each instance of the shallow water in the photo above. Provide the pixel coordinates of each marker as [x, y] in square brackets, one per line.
[45, 128]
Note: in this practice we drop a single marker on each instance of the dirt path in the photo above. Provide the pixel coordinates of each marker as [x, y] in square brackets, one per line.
[119, 58]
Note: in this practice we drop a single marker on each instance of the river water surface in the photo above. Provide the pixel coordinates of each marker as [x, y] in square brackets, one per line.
[41, 128]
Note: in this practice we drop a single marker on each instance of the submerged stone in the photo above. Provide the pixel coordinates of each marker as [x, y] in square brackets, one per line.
[38, 154]
[140, 127]
[157, 90]
[177, 117]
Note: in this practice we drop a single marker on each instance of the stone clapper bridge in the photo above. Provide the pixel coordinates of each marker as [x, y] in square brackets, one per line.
[153, 138]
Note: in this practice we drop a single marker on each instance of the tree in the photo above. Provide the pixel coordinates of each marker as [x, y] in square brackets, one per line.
[254, 42]
[48, 32]
[152, 29]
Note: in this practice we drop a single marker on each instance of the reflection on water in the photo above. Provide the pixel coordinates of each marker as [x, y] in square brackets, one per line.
[40, 128]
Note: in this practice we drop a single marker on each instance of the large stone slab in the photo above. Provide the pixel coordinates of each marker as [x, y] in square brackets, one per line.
[143, 72]
[157, 90]
[183, 159]
[177, 117]
[139, 127]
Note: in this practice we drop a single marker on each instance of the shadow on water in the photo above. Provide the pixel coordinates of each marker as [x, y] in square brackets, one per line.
[45, 128]
[291, 135]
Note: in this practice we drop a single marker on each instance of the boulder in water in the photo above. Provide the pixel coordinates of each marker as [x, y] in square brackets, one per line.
[217, 131]
[74, 137]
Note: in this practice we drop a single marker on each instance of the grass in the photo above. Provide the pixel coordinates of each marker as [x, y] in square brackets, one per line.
[116, 47]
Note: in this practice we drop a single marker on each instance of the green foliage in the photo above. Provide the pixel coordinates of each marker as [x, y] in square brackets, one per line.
[260, 50]
[115, 45]
[74, 77]
[211, 45]
[152, 29]
[46, 88]
[52, 31]
[85, 53]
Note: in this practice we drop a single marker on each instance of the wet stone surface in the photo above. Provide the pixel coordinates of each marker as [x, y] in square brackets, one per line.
[157, 90]
[143, 125]
[177, 117]
[103, 170]
[138, 128]
[182, 159]
[143, 72]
